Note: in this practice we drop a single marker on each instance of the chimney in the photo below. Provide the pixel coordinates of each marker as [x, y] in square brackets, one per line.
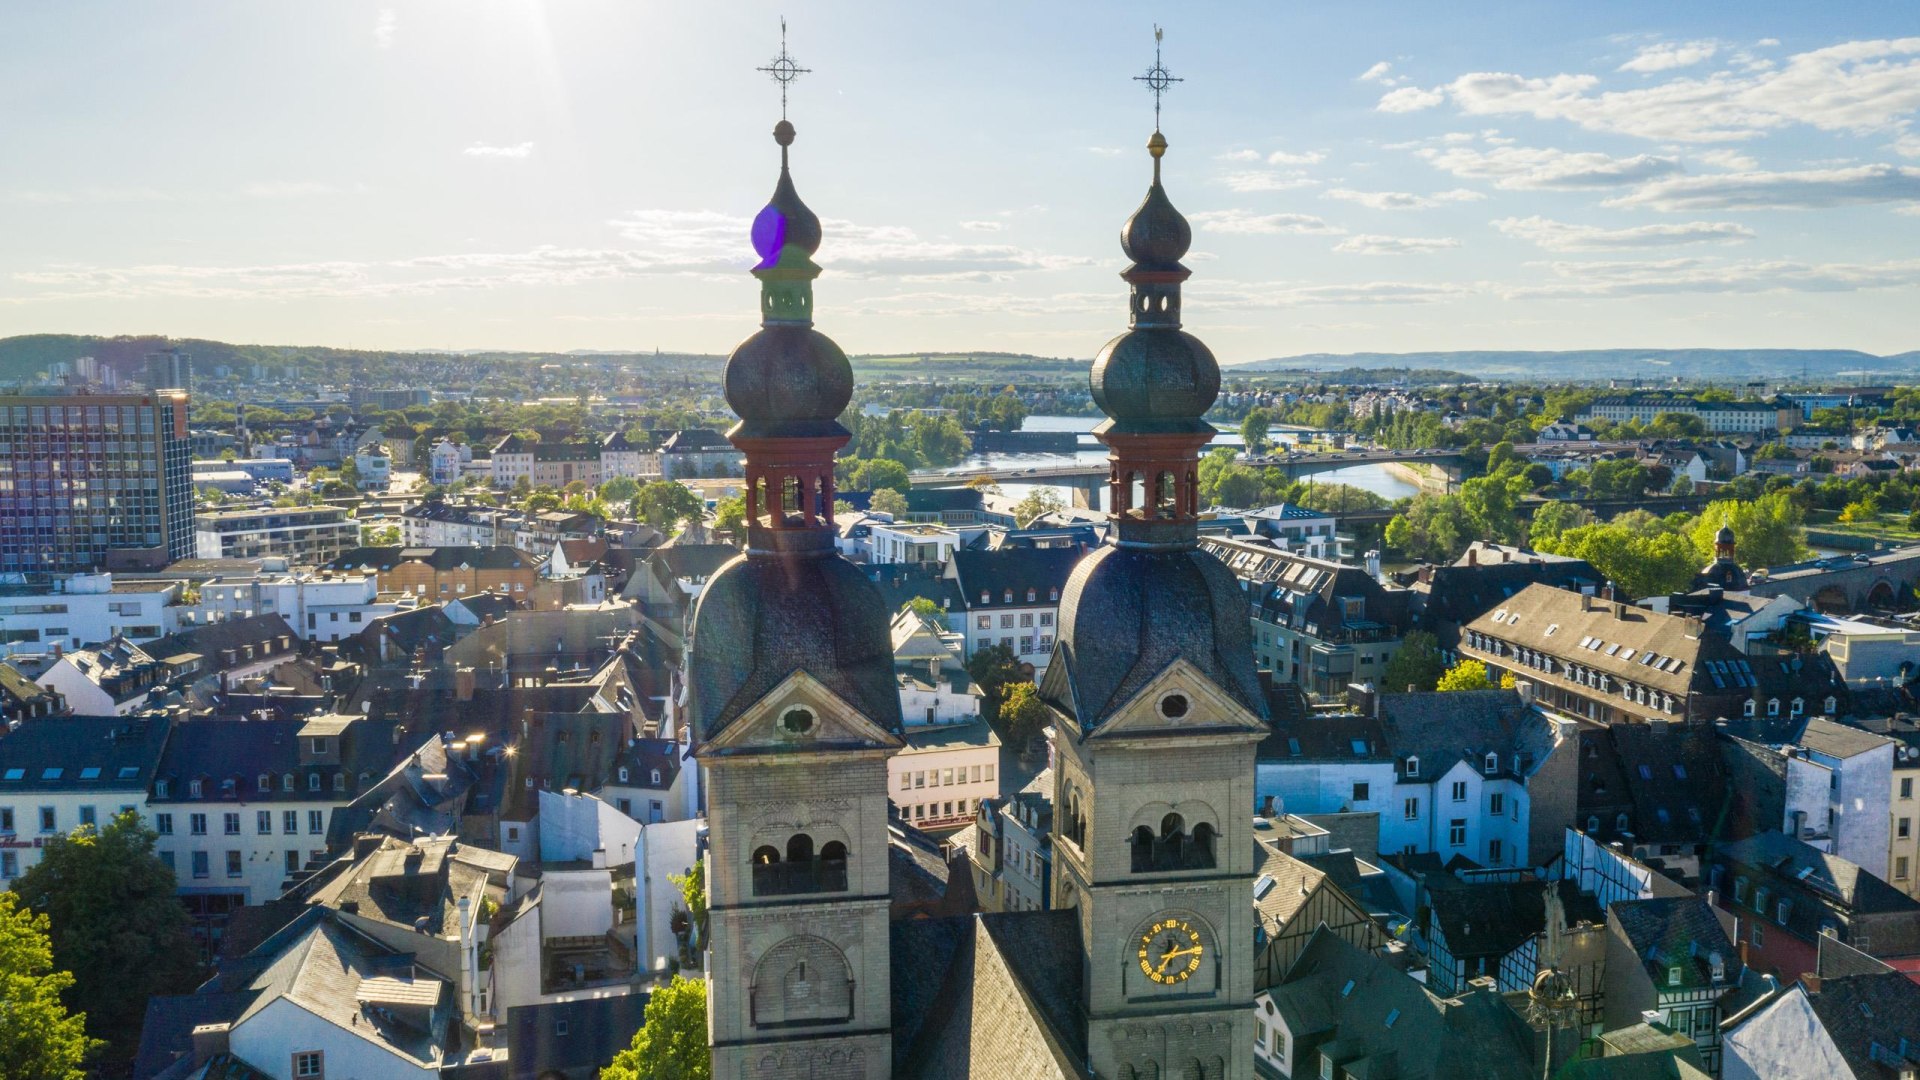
[209, 1040]
[1811, 981]
[58, 648]
[1506, 556]
[463, 680]
[1473, 556]
[1650, 1017]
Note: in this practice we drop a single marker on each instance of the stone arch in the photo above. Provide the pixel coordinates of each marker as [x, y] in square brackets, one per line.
[1882, 595]
[802, 980]
[1832, 600]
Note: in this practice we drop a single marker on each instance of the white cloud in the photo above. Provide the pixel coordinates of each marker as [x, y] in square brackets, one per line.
[1725, 159]
[1401, 200]
[1239, 155]
[1767, 43]
[1260, 180]
[1377, 73]
[385, 28]
[1522, 168]
[1227, 296]
[1410, 99]
[482, 150]
[1607, 280]
[983, 226]
[1858, 87]
[1246, 222]
[1105, 151]
[1309, 157]
[1668, 55]
[1812, 189]
[1565, 236]
[1367, 244]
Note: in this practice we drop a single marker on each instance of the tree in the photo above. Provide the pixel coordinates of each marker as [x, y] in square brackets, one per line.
[693, 893]
[620, 489]
[39, 1039]
[1641, 554]
[888, 501]
[1022, 716]
[1554, 517]
[672, 1042]
[993, 667]
[384, 536]
[1768, 530]
[1254, 428]
[730, 515]
[880, 473]
[1466, 675]
[927, 609]
[542, 500]
[1415, 665]
[1037, 503]
[1861, 511]
[665, 502]
[115, 923]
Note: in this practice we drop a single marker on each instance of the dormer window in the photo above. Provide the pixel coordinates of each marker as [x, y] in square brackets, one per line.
[1413, 766]
[1620, 822]
[1833, 705]
[313, 781]
[985, 597]
[653, 777]
[1799, 706]
[1006, 596]
[623, 774]
[339, 781]
[1593, 823]
[1032, 596]
[1673, 976]
[286, 782]
[1773, 706]
[1746, 707]
[265, 782]
[1053, 592]
[195, 788]
[160, 789]
[1493, 764]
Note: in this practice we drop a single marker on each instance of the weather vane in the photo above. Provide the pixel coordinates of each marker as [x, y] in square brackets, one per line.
[783, 69]
[1158, 78]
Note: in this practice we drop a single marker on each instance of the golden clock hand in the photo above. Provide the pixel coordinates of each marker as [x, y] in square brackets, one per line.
[1174, 954]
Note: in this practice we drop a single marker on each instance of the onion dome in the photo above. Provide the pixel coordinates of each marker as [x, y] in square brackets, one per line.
[1723, 538]
[1157, 236]
[1156, 379]
[787, 380]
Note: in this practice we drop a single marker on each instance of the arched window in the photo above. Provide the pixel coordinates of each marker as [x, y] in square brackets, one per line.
[286, 782]
[765, 855]
[265, 782]
[802, 980]
[800, 848]
[1203, 840]
[313, 781]
[833, 851]
[1142, 849]
[1413, 766]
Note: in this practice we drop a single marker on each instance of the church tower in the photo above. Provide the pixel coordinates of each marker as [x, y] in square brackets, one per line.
[793, 708]
[1158, 708]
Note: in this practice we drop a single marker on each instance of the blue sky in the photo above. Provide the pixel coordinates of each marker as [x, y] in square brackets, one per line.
[1363, 176]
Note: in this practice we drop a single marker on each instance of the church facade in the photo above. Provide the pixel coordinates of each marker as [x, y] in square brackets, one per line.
[1143, 969]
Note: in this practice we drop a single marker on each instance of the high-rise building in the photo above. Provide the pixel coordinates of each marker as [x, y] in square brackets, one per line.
[93, 481]
[169, 369]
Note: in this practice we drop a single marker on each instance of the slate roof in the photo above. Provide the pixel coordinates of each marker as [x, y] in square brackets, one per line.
[986, 997]
[695, 440]
[561, 750]
[415, 884]
[1792, 861]
[761, 618]
[1338, 999]
[1677, 931]
[1492, 919]
[230, 754]
[595, 1030]
[324, 971]
[81, 753]
[1861, 1010]
[1129, 613]
[166, 1035]
[1458, 594]
[214, 639]
[938, 500]
[1466, 725]
[1674, 778]
[1017, 569]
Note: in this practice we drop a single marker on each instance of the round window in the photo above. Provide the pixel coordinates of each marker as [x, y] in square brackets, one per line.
[1174, 706]
[797, 720]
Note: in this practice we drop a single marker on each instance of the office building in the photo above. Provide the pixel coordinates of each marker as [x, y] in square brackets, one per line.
[92, 481]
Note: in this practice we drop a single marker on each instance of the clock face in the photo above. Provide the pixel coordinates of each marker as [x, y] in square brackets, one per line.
[1170, 951]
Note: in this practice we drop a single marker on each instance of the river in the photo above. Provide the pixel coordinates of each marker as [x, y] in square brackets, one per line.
[1374, 478]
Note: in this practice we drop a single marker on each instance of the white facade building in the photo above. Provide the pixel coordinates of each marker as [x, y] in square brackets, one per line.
[84, 609]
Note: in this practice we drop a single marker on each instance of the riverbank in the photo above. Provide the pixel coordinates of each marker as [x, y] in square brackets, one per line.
[1425, 477]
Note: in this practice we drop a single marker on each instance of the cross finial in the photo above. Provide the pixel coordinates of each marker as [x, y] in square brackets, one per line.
[1158, 78]
[783, 69]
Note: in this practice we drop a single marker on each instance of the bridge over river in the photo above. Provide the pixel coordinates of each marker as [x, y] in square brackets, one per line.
[1086, 478]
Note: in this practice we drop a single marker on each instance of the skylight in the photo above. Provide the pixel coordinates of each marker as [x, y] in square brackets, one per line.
[91, 772]
[1392, 1016]
[1347, 989]
[53, 772]
[16, 774]
[129, 772]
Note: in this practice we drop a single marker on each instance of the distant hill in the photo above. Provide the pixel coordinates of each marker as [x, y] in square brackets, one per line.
[1594, 364]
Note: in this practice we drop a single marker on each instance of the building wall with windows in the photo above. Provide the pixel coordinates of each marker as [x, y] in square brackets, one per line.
[92, 481]
[304, 535]
[85, 609]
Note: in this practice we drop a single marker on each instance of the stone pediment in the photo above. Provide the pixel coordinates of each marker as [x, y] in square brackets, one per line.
[1180, 700]
[800, 714]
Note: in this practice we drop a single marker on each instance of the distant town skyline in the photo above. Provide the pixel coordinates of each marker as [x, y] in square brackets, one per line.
[1388, 177]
